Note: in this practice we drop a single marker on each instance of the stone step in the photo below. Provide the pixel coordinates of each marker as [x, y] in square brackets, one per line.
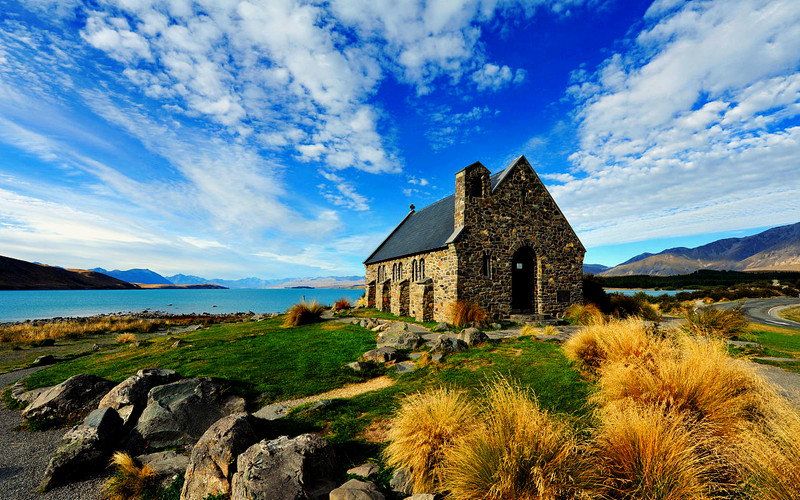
[535, 319]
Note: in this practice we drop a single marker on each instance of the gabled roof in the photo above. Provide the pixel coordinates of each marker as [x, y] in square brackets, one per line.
[428, 229]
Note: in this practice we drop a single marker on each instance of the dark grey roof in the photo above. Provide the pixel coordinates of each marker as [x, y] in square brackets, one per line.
[426, 230]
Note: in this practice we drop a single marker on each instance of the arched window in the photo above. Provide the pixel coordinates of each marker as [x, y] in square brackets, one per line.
[394, 272]
[414, 270]
[487, 266]
[421, 270]
[399, 271]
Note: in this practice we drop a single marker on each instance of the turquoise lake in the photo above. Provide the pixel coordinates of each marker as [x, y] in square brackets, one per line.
[40, 304]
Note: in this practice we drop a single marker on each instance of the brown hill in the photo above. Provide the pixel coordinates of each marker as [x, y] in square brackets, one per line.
[21, 275]
[776, 249]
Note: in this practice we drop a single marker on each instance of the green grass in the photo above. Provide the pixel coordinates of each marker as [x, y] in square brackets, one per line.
[778, 342]
[375, 313]
[252, 358]
[792, 313]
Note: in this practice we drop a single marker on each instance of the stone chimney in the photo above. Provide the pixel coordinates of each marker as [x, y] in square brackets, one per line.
[472, 184]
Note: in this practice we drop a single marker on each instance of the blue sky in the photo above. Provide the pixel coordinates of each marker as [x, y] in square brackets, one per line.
[277, 138]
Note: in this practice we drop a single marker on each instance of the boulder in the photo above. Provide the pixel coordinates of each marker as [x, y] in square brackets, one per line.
[473, 336]
[47, 359]
[285, 469]
[401, 482]
[166, 465]
[69, 401]
[85, 448]
[133, 390]
[356, 490]
[400, 339]
[448, 344]
[19, 392]
[213, 459]
[367, 470]
[381, 355]
[356, 366]
[405, 367]
[177, 414]
[440, 327]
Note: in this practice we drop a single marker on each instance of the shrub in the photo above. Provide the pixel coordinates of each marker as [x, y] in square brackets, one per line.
[581, 314]
[341, 305]
[519, 452]
[618, 340]
[303, 313]
[464, 313]
[126, 338]
[129, 482]
[716, 322]
[696, 377]
[422, 429]
[643, 452]
[769, 455]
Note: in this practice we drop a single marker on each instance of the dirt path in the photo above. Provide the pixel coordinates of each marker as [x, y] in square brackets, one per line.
[24, 457]
[281, 408]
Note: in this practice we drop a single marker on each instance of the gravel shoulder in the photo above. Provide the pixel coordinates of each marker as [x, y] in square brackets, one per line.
[25, 456]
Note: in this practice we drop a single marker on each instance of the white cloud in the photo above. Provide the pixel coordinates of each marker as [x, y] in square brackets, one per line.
[694, 128]
[493, 77]
[448, 128]
[345, 193]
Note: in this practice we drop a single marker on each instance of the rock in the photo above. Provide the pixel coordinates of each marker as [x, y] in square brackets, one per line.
[47, 359]
[133, 390]
[416, 355]
[213, 459]
[70, 400]
[448, 344]
[356, 490]
[19, 392]
[368, 469]
[473, 336]
[378, 328]
[401, 482]
[285, 469]
[742, 343]
[400, 339]
[405, 367]
[179, 343]
[356, 365]
[437, 357]
[85, 448]
[381, 355]
[258, 317]
[496, 326]
[177, 414]
[441, 327]
[422, 496]
[166, 465]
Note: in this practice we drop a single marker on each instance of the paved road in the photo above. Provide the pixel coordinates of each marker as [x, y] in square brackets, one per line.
[765, 311]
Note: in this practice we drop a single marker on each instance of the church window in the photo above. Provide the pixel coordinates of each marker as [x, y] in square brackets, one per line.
[421, 270]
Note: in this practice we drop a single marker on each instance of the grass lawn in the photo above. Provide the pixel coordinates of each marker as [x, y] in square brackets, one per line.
[791, 313]
[778, 342]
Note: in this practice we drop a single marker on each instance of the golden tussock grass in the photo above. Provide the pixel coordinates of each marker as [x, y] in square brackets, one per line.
[584, 314]
[341, 305]
[644, 452]
[130, 481]
[716, 322]
[628, 340]
[518, 451]
[71, 329]
[126, 338]
[303, 313]
[696, 377]
[769, 455]
[423, 428]
[464, 313]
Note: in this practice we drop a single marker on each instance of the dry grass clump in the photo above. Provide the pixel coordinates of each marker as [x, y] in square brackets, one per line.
[769, 455]
[341, 305]
[126, 338]
[73, 329]
[716, 322]
[519, 451]
[423, 428]
[130, 481]
[464, 313]
[584, 314]
[303, 313]
[628, 340]
[644, 452]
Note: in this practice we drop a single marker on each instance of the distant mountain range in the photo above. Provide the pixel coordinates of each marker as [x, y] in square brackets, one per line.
[776, 249]
[594, 268]
[324, 282]
[144, 276]
[18, 274]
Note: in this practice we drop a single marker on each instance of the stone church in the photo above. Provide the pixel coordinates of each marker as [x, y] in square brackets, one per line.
[500, 241]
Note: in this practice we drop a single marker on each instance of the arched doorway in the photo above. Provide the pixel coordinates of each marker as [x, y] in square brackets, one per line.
[523, 281]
